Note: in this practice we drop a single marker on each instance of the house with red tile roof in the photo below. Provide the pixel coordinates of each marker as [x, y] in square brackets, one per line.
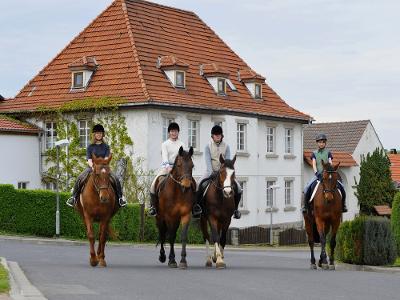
[19, 153]
[395, 168]
[347, 141]
[165, 64]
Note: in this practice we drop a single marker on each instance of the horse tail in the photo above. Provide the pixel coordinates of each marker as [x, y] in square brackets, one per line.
[111, 233]
[204, 228]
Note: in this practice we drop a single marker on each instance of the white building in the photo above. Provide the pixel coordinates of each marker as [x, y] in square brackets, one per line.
[166, 64]
[348, 141]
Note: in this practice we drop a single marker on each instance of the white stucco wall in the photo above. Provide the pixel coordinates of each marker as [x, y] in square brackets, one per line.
[19, 160]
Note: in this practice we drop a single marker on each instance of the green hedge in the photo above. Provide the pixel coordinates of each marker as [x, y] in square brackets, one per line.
[366, 241]
[32, 212]
[395, 220]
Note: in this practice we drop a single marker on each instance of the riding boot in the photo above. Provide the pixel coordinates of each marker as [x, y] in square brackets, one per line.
[238, 196]
[116, 184]
[196, 210]
[75, 193]
[153, 205]
[343, 192]
[304, 206]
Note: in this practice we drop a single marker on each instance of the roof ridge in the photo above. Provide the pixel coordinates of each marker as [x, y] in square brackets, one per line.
[354, 121]
[22, 123]
[161, 5]
[63, 49]
[135, 53]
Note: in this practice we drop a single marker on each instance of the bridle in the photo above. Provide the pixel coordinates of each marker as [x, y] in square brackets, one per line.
[332, 191]
[217, 185]
[96, 184]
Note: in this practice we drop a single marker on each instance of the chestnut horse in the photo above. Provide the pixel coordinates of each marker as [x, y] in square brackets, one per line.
[325, 216]
[219, 205]
[98, 204]
[176, 195]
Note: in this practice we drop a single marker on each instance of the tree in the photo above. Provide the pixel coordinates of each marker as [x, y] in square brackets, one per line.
[376, 186]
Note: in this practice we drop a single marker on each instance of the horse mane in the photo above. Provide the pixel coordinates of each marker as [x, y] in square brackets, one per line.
[329, 168]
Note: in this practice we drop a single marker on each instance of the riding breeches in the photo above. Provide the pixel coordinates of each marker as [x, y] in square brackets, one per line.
[161, 172]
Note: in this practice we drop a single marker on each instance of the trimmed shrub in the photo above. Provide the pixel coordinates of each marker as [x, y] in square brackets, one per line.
[366, 241]
[395, 220]
[32, 212]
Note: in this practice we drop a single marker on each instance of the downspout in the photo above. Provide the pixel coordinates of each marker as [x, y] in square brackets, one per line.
[40, 134]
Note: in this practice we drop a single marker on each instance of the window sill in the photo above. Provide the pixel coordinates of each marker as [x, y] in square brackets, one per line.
[197, 152]
[243, 153]
[271, 155]
[271, 209]
[289, 156]
[244, 211]
[289, 208]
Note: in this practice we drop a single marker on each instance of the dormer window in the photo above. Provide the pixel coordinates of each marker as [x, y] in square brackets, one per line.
[221, 86]
[257, 90]
[252, 81]
[180, 79]
[174, 69]
[82, 72]
[77, 80]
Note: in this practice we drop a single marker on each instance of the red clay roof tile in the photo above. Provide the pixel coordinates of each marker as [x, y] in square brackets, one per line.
[395, 166]
[345, 159]
[11, 125]
[249, 75]
[126, 39]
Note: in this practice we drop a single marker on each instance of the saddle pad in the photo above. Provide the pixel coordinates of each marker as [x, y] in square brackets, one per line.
[161, 182]
[314, 191]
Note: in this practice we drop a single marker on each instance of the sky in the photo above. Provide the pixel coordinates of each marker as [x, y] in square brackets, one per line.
[336, 60]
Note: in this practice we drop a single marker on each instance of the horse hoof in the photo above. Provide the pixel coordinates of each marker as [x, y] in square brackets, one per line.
[172, 264]
[220, 265]
[183, 265]
[94, 262]
[162, 258]
[313, 266]
[332, 267]
[102, 263]
[324, 266]
[208, 264]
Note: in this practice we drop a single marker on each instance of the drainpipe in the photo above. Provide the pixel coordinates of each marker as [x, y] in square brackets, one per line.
[40, 134]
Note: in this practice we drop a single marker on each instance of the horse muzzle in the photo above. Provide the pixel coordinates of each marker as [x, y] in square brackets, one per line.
[228, 192]
[186, 183]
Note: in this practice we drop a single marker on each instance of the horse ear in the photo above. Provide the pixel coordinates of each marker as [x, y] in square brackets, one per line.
[234, 159]
[180, 151]
[335, 167]
[191, 151]
[221, 159]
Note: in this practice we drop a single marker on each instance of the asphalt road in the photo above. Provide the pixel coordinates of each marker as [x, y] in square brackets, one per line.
[63, 272]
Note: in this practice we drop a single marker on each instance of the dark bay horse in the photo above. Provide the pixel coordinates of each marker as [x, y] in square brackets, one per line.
[325, 216]
[98, 204]
[219, 205]
[176, 195]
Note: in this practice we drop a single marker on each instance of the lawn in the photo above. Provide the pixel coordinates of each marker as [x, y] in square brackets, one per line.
[4, 284]
[397, 262]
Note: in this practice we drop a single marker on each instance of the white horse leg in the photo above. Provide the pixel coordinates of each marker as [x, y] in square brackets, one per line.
[220, 262]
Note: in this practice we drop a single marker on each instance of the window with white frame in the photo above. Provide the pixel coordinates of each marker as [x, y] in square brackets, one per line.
[166, 122]
[50, 186]
[221, 84]
[180, 79]
[22, 185]
[270, 193]
[288, 140]
[84, 133]
[193, 134]
[219, 123]
[77, 82]
[242, 203]
[288, 192]
[270, 139]
[257, 91]
[241, 137]
[50, 134]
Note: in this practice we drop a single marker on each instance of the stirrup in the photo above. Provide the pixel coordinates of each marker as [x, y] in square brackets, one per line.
[152, 211]
[122, 202]
[71, 201]
[196, 211]
[344, 209]
[237, 214]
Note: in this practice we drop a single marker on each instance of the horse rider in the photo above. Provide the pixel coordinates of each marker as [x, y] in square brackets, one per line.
[317, 156]
[211, 154]
[99, 148]
[169, 151]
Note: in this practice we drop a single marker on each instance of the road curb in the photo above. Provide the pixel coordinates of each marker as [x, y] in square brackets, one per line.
[365, 268]
[21, 288]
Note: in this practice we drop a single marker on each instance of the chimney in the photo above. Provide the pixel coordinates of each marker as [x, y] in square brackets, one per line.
[393, 151]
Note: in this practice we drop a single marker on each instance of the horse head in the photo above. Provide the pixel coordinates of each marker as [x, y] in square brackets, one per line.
[183, 167]
[226, 175]
[329, 180]
[101, 170]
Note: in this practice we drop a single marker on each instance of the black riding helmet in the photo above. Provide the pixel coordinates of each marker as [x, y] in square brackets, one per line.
[98, 128]
[173, 126]
[216, 130]
[320, 137]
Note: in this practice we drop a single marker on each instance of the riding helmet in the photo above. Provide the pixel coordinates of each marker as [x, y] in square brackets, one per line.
[98, 128]
[173, 126]
[216, 130]
[321, 137]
